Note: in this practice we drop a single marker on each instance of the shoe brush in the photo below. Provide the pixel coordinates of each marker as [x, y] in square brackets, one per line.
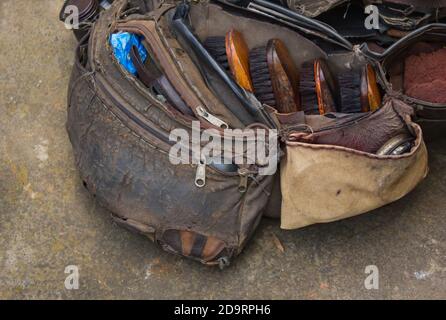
[316, 88]
[275, 77]
[359, 91]
[232, 53]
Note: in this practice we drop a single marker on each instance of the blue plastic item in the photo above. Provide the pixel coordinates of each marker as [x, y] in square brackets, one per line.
[122, 43]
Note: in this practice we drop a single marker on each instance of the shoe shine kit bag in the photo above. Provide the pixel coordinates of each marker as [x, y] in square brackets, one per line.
[345, 122]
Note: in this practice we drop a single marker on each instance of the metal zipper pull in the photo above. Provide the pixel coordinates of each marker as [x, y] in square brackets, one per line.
[243, 186]
[211, 118]
[244, 175]
[200, 177]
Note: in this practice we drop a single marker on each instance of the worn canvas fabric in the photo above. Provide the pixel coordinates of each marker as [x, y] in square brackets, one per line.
[325, 183]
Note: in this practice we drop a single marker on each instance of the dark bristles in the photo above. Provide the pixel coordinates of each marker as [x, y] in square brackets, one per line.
[307, 89]
[350, 87]
[216, 46]
[261, 78]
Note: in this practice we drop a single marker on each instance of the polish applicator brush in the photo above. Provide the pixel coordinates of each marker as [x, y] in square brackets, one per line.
[275, 77]
[216, 46]
[350, 91]
[359, 91]
[232, 53]
[316, 88]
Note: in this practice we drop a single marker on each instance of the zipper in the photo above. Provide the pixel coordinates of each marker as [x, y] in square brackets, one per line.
[243, 185]
[243, 173]
[200, 176]
[211, 118]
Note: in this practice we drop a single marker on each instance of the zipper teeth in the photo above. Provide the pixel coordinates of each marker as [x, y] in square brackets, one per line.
[142, 28]
[144, 127]
[125, 110]
[121, 121]
[142, 89]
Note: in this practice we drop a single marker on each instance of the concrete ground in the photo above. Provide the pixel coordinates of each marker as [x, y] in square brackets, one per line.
[48, 221]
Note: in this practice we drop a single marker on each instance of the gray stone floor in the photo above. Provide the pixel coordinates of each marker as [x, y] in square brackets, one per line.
[48, 221]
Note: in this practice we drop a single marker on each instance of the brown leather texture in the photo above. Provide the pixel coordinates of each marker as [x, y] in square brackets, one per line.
[127, 167]
[366, 132]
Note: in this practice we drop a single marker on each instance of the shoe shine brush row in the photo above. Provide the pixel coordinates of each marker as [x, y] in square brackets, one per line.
[271, 74]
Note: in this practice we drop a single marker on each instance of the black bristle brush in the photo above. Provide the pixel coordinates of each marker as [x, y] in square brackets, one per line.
[260, 76]
[308, 94]
[350, 92]
[316, 88]
[216, 46]
[231, 52]
[275, 77]
[359, 91]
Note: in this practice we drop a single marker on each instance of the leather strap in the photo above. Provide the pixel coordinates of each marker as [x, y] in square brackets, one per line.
[172, 95]
[144, 75]
[161, 84]
[147, 29]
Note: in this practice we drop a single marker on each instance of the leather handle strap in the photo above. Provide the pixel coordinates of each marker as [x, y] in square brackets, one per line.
[144, 75]
[161, 84]
[172, 95]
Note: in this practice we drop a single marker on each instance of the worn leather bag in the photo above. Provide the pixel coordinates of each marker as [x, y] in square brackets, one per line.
[120, 132]
[120, 136]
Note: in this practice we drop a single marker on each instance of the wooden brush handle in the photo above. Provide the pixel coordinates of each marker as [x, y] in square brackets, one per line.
[324, 87]
[238, 58]
[374, 95]
[284, 77]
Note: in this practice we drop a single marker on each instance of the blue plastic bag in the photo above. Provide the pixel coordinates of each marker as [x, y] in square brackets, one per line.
[122, 43]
